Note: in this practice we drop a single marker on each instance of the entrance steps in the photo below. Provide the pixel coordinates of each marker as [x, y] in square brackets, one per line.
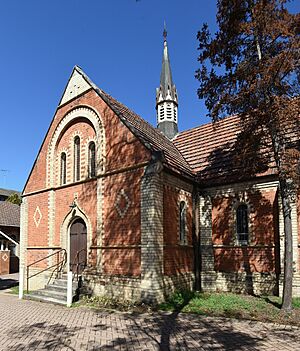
[56, 292]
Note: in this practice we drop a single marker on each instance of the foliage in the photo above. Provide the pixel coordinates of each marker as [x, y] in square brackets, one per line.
[251, 67]
[114, 303]
[232, 305]
[14, 199]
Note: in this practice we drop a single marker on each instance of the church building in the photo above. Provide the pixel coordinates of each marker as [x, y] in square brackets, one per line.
[139, 212]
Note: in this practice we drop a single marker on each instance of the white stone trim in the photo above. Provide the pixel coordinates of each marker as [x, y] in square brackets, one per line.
[206, 244]
[74, 214]
[59, 152]
[241, 199]
[122, 212]
[37, 216]
[86, 158]
[182, 196]
[51, 217]
[224, 190]
[76, 86]
[79, 112]
[75, 134]
[23, 232]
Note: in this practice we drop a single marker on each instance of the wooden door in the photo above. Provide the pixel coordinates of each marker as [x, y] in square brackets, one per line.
[78, 246]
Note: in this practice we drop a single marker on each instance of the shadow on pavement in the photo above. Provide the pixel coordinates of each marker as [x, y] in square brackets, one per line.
[8, 283]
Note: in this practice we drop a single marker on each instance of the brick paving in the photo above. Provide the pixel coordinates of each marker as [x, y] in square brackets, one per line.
[30, 325]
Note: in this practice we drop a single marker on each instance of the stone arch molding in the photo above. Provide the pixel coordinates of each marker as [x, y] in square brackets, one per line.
[78, 112]
[74, 214]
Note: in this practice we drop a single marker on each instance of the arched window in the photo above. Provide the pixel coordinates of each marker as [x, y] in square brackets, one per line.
[63, 168]
[182, 222]
[242, 224]
[92, 159]
[76, 158]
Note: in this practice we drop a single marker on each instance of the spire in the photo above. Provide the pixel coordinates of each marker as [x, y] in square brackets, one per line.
[166, 96]
[166, 81]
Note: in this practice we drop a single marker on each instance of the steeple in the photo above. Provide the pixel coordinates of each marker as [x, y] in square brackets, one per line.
[166, 96]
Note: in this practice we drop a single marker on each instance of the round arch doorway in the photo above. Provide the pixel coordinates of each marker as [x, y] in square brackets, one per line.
[78, 246]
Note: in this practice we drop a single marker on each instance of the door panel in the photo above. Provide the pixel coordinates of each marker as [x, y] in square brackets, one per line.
[78, 245]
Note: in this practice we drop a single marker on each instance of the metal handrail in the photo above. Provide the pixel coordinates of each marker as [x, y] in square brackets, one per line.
[58, 266]
[78, 263]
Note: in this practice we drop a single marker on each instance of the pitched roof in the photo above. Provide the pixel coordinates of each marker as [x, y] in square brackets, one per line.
[197, 144]
[151, 137]
[9, 214]
[212, 153]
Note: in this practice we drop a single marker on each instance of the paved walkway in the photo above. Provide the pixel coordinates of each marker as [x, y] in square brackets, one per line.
[29, 325]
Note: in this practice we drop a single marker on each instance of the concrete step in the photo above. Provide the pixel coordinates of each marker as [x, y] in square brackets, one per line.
[56, 292]
[56, 287]
[60, 282]
[47, 299]
[59, 295]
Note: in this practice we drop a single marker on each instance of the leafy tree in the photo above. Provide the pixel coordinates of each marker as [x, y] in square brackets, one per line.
[251, 67]
[14, 199]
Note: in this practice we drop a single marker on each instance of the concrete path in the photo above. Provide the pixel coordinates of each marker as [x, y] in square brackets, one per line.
[29, 325]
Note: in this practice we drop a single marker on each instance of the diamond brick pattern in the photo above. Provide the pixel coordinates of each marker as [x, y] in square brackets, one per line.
[37, 217]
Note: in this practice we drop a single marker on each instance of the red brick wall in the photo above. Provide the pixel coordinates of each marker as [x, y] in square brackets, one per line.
[123, 150]
[119, 140]
[260, 255]
[86, 200]
[38, 235]
[66, 143]
[122, 235]
[177, 258]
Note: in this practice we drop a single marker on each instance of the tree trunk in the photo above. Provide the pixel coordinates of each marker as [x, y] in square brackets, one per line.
[288, 248]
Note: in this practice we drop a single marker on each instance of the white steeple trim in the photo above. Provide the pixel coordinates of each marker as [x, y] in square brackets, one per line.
[167, 111]
[76, 86]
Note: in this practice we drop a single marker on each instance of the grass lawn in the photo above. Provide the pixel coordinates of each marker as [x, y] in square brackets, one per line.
[14, 290]
[264, 308]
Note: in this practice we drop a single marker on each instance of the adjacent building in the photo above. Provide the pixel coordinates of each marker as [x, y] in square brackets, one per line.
[9, 233]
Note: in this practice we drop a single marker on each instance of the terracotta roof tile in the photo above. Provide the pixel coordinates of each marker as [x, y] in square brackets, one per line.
[209, 150]
[198, 143]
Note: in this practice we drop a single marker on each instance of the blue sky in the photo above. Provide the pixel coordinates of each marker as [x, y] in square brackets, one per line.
[118, 43]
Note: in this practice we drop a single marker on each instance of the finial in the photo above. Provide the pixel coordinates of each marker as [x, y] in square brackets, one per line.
[165, 31]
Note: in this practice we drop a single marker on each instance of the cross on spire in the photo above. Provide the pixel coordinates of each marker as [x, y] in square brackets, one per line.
[165, 33]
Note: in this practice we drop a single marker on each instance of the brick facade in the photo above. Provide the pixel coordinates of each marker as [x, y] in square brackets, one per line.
[145, 214]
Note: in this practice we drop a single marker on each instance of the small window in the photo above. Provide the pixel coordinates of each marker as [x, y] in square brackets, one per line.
[76, 159]
[63, 168]
[92, 159]
[242, 227]
[182, 222]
